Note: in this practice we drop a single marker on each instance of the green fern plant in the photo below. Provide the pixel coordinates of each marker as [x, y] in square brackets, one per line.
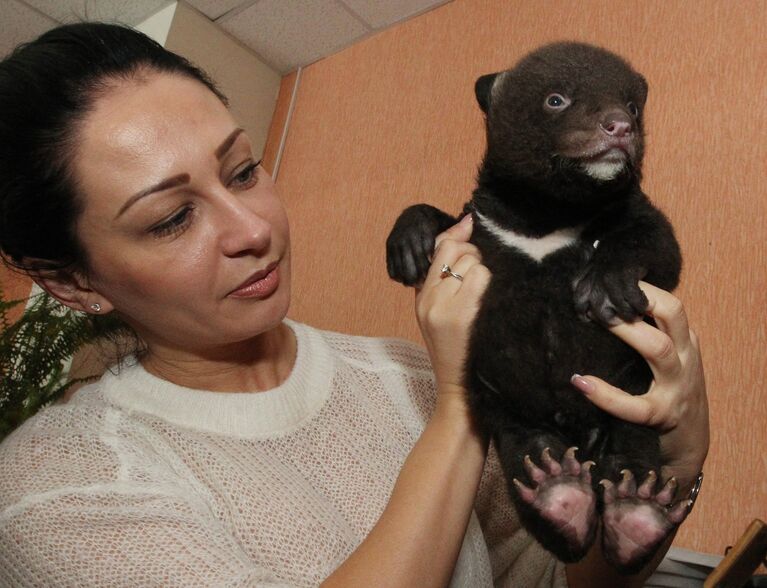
[35, 353]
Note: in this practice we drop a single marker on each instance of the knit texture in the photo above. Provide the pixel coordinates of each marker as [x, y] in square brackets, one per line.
[139, 482]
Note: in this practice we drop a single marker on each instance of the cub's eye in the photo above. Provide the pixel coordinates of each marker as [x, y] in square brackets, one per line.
[633, 109]
[556, 102]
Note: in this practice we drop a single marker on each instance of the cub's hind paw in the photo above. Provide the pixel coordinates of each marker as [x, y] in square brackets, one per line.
[564, 502]
[636, 521]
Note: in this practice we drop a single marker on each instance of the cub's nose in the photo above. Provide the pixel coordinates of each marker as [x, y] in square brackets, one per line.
[616, 124]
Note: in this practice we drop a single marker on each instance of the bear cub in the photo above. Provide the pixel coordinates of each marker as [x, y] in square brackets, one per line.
[567, 233]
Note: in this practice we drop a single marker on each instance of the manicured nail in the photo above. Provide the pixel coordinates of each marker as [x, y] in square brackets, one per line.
[581, 383]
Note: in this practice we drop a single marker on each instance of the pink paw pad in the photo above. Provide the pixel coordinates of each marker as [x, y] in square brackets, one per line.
[636, 520]
[563, 497]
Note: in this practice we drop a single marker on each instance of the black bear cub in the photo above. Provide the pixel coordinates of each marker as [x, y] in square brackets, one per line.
[567, 233]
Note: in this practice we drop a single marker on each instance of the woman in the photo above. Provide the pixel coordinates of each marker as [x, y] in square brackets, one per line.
[240, 448]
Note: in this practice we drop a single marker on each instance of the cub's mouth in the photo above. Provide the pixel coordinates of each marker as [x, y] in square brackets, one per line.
[600, 157]
[600, 147]
[609, 154]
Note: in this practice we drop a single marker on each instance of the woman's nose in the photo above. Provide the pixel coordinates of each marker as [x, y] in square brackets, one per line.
[243, 231]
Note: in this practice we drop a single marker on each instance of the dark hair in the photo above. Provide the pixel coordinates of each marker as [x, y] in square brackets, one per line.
[47, 88]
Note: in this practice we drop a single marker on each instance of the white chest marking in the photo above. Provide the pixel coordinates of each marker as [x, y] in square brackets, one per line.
[535, 248]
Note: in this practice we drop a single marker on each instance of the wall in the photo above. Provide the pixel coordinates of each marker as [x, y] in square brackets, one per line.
[14, 286]
[392, 121]
[250, 84]
[158, 25]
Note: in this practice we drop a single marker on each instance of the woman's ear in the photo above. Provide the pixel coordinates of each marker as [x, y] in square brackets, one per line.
[72, 290]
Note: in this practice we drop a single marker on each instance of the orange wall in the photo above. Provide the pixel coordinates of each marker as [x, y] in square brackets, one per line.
[392, 121]
[14, 286]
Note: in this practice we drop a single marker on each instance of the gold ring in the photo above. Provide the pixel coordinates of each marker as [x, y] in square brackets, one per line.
[446, 271]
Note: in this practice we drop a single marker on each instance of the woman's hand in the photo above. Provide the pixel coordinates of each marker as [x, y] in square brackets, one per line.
[676, 403]
[446, 306]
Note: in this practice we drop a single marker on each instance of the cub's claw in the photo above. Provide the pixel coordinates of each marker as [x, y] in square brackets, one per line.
[666, 495]
[627, 486]
[647, 487]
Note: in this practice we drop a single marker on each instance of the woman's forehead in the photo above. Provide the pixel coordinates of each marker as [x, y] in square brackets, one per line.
[140, 115]
[141, 131]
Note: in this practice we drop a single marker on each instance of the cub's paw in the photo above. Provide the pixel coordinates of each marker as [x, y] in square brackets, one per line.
[564, 501]
[410, 244]
[606, 296]
[636, 521]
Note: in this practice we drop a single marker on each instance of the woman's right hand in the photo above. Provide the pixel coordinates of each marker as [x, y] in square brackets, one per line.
[446, 306]
[418, 538]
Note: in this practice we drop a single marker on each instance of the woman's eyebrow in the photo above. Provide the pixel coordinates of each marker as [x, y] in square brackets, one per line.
[163, 185]
[174, 181]
[227, 144]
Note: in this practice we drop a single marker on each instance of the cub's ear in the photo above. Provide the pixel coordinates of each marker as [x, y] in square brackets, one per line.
[482, 89]
[642, 89]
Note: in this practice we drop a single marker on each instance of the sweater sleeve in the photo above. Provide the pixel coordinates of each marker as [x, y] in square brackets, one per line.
[66, 521]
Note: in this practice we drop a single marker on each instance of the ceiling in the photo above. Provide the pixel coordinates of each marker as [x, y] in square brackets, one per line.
[285, 33]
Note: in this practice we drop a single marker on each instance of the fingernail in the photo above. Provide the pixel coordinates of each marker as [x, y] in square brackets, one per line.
[467, 219]
[581, 383]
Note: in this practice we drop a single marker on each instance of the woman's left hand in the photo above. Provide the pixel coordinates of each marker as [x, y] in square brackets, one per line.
[676, 403]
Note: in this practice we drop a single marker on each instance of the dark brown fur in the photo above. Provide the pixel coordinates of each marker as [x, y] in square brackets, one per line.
[541, 322]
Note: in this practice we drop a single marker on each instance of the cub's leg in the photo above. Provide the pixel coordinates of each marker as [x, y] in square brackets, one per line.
[552, 491]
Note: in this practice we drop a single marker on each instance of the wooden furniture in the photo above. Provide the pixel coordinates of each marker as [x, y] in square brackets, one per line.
[741, 561]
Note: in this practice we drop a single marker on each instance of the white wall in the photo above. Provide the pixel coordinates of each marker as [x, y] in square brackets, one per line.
[249, 83]
[158, 25]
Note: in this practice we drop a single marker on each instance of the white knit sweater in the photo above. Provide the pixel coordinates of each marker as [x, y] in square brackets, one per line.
[139, 482]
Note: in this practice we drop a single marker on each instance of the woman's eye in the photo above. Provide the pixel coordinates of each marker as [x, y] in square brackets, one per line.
[633, 109]
[556, 102]
[248, 176]
[175, 224]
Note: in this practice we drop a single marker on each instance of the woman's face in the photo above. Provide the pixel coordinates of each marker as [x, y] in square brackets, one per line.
[186, 238]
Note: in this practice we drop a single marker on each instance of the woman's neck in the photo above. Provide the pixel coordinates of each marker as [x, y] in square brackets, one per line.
[259, 364]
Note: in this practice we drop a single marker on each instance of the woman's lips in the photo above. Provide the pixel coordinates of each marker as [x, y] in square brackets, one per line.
[261, 285]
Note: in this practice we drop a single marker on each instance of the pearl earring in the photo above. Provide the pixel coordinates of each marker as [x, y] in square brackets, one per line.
[96, 307]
